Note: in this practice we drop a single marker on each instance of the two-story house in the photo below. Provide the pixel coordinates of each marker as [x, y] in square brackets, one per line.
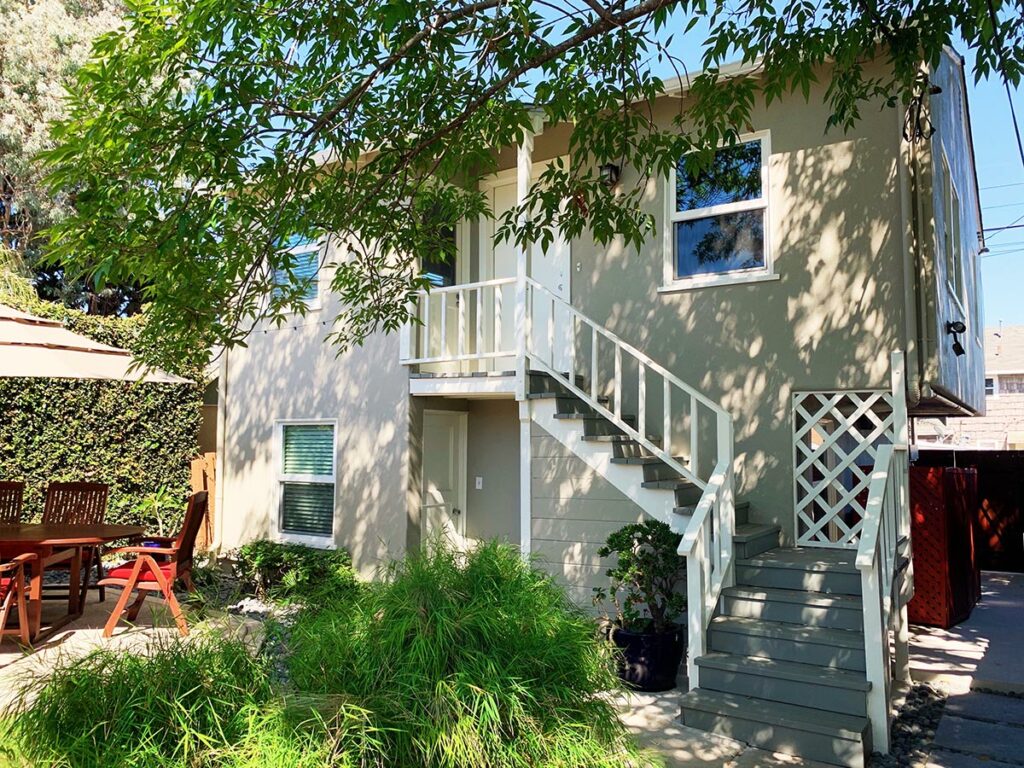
[745, 375]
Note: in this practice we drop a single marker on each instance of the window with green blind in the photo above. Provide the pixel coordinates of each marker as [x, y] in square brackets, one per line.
[307, 479]
[303, 272]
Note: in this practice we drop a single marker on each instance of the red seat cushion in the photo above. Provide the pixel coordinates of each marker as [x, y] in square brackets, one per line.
[124, 571]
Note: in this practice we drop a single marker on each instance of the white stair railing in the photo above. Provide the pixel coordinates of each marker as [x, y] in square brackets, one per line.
[461, 323]
[885, 565]
[707, 541]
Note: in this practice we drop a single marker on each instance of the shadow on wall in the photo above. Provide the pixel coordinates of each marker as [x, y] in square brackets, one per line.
[291, 373]
[830, 322]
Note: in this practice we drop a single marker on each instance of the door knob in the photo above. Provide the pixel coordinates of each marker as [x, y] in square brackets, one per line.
[456, 511]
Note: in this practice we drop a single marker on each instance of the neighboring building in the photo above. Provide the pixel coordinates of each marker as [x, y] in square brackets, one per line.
[750, 352]
[1001, 427]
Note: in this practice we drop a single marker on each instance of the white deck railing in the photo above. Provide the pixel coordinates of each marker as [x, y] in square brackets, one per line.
[460, 323]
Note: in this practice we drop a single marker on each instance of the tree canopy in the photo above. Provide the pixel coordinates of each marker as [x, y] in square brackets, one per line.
[208, 135]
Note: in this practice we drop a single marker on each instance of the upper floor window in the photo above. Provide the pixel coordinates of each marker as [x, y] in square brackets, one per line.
[718, 216]
[304, 272]
[953, 252]
[990, 385]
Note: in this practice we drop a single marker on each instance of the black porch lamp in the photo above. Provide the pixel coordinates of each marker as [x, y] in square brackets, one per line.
[609, 174]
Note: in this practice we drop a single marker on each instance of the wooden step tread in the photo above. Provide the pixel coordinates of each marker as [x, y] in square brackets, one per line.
[749, 531]
[833, 638]
[801, 597]
[644, 460]
[806, 559]
[849, 727]
[618, 439]
[786, 670]
[668, 485]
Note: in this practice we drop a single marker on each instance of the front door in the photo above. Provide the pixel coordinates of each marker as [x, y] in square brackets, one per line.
[549, 267]
[442, 511]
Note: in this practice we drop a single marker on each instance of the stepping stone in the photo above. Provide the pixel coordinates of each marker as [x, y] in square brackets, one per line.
[987, 706]
[985, 740]
[940, 758]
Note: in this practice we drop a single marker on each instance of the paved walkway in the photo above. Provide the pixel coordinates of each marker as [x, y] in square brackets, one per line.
[980, 664]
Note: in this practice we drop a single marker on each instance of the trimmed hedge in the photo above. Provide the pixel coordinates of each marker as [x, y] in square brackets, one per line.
[133, 436]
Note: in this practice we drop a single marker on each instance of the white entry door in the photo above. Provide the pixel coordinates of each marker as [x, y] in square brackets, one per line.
[442, 511]
[549, 267]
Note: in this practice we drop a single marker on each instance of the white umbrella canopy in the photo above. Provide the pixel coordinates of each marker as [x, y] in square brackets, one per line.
[35, 347]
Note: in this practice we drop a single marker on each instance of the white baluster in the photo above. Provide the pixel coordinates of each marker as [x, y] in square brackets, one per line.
[666, 435]
[425, 352]
[695, 436]
[461, 299]
[641, 401]
[499, 292]
[551, 334]
[593, 362]
[480, 321]
[617, 394]
[444, 325]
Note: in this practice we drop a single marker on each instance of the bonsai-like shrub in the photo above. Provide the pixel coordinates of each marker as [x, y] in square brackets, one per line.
[285, 571]
[467, 660]
[645, 582]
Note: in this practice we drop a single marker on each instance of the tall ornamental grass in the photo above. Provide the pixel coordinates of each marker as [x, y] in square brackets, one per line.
[468, 661]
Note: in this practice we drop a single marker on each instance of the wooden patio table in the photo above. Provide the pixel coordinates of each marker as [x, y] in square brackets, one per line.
[54, 543]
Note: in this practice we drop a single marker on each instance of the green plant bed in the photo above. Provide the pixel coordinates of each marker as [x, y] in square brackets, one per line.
[269, 569]
[467, 661]
[449, 661]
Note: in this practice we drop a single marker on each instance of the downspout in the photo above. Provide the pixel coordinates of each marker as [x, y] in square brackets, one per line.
[906, 168]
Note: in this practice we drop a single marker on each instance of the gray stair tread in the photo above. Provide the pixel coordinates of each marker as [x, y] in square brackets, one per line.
[843, 561]
[669, 485]
[644, 460]
[817, 599]
[618, 439]
[592, 416]
[748, 531]
[786, 670]
[562, 396]
[463, 375]
[776, 713]
[833, 638]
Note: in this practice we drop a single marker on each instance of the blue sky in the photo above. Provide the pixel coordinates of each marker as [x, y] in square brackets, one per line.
[1001, 178]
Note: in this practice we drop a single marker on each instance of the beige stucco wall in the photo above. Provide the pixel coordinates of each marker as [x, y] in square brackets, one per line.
[291, 373]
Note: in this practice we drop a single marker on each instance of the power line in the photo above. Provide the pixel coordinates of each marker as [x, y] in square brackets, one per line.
[1003, 205]
[1003, 186]
[1015, 224]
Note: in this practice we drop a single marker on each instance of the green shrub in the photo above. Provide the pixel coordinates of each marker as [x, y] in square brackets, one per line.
[203, 704]
[134, 436]
[647, 576]
[467, 662]
[283, 571]
[112, 708]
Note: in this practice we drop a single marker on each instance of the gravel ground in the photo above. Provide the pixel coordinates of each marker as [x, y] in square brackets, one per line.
[913, 729]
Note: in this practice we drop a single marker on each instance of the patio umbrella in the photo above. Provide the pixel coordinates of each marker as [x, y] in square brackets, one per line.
[35, 347]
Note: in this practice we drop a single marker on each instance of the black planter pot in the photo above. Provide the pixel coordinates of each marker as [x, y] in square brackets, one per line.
[650, 661]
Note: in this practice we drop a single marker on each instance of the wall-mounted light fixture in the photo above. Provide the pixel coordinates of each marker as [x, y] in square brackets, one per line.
[609, 174]
[954, 328]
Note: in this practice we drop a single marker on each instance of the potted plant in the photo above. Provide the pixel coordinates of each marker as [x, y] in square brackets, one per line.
[645, 590]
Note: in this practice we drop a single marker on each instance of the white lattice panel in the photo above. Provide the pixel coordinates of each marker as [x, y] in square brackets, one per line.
[836, 437]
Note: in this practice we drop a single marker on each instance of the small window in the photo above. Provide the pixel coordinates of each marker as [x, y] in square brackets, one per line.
[719, 215]
[953, 250]
[440, 269]
[306, 476]
[303, 271]
[990, 386]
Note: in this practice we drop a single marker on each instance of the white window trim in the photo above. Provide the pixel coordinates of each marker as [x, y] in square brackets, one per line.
[671, 283]
[995, 386]
[280, 478]
[319, 246]
[949, 252]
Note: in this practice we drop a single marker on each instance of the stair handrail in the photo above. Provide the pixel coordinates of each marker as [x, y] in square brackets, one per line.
[884, 562]
[707, 539]
[646, 364]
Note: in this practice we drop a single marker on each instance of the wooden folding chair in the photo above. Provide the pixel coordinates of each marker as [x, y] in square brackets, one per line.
[12, 493]
[78, 503]
[14, 594]
[157, 569]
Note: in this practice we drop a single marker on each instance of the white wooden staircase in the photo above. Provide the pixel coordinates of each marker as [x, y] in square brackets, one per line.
[788, 649]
